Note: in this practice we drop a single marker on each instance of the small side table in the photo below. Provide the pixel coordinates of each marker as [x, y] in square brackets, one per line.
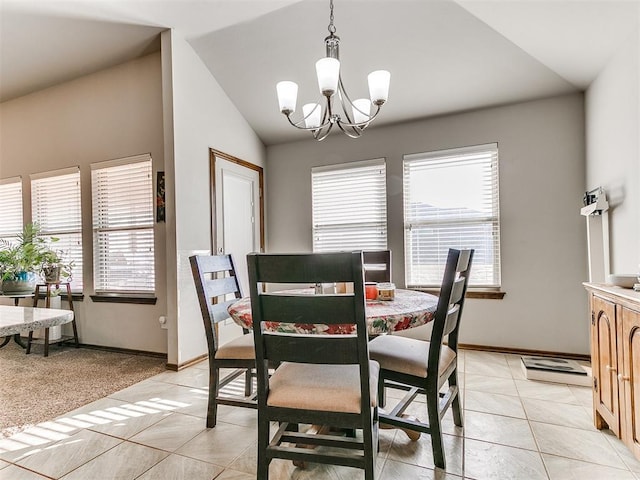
[64, 338]
[16, 300]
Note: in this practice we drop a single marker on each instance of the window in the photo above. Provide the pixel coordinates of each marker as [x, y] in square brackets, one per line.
[123, 253]
[55, 208]
[349, 206]
[451, 201]
[11, 211]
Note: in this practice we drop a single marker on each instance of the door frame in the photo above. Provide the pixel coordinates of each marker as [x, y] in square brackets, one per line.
[213, 153]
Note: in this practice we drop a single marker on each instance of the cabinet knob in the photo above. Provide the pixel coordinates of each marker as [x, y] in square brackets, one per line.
[611, 369]
[622, 378]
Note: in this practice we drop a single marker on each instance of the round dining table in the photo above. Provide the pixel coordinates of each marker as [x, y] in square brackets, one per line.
[408, 309]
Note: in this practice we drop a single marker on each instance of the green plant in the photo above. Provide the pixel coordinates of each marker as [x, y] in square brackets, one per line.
[30, 253]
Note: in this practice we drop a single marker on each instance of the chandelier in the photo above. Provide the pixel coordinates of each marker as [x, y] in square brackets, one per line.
[319, 119]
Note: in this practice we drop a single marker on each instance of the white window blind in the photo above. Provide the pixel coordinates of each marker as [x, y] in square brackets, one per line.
[123, 223]
[350, 206]
[451, 201]
[11, 210]
[55, 208]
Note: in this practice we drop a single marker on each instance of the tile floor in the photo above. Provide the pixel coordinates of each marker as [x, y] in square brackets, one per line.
[514, 429]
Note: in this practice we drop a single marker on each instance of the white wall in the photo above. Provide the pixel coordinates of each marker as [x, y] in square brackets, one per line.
[203, 118]
[541, 148]
[110, 114]
[612, 107]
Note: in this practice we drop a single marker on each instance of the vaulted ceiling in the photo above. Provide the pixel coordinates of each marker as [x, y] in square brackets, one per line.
[444, 55]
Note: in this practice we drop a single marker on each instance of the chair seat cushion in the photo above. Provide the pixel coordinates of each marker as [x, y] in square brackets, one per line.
[241, 348]
[407, 355]
[330, 388]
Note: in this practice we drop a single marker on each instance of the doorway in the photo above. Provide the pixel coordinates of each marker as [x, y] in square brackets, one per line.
[237, 209]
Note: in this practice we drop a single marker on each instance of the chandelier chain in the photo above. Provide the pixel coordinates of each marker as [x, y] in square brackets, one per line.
[331, 27]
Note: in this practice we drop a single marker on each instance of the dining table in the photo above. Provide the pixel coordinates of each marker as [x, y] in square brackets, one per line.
[408, 309]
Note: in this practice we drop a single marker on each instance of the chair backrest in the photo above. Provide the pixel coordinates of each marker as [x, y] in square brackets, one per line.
[377, 265]
[215, 279]
[450, 303]
[335, 310]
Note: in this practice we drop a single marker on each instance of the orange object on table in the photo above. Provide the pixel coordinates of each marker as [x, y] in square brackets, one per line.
[371, 290]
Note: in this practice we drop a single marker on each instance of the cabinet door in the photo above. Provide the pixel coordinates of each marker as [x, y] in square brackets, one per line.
[604, 364]
[629, 379]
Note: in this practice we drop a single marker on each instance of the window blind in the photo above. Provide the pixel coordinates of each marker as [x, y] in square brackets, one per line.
[451, 201]
[56, 208]
[11, 211]
[123, 223]
[349, 203]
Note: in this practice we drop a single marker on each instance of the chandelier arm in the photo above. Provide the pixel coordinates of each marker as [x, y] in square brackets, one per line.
[299, 123]
[365, 124]
[319, 135]
[357, 130]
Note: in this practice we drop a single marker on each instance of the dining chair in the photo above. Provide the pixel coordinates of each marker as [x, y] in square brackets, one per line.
[215, 280]
[423, 367]
[322, 379]
[377, 266]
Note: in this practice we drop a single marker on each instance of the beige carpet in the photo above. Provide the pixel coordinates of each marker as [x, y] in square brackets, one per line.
[34, 389]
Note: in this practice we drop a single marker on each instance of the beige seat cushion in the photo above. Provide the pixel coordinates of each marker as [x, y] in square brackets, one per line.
[406, 355]
[330, 388]
[239, 348]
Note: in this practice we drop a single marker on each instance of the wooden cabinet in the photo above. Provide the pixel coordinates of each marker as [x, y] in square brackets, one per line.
[615, 359]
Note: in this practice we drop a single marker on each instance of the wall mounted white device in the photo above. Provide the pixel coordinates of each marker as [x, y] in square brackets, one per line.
[595, 210]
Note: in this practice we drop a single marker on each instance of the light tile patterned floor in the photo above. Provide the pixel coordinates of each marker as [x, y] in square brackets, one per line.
[514, 429]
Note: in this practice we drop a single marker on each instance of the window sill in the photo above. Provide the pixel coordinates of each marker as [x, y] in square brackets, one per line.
[482, 293]
[124, 298]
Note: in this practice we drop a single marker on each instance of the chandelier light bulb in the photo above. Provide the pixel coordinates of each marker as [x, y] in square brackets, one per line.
[335, 107]
[287, 96]
[379, 86]
[361, 110]
[312, 113]
[328, 71]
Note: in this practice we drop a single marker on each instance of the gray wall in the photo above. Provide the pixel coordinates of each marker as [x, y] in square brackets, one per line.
[543, 239]
[613, 150]
[111, 114]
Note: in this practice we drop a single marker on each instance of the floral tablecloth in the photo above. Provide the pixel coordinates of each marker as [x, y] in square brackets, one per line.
[409, 309]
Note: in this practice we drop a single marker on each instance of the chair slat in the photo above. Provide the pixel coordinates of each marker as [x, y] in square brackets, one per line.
[451, 320]
[214, 263]
[219, 311]
[221, 286]
[457, 290]
[288, 269]
[313, 348]
[328, 309]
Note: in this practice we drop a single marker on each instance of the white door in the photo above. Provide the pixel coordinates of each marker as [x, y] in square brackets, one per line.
[237, 214]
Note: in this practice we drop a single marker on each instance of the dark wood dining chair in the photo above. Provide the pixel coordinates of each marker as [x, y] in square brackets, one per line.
[423, 367]
[322, 379]
[377, 266]
[215, 280]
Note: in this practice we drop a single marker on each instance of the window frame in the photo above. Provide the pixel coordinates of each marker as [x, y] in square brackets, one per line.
[145, 223]
[446, 159]
[327, 227]
[55, 200]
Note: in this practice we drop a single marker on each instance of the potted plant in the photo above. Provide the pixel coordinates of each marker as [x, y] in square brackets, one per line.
[22, 261]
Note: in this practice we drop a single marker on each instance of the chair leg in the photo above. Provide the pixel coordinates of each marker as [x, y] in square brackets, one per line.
[263, 443]
[29, 340]
[382, 398]
[212, 407]
[456, 407]
[435, 427]
[248, 383]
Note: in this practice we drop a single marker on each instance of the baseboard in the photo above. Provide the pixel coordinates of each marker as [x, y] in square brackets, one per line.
[124, 350]
[524, 351]
[174, 367]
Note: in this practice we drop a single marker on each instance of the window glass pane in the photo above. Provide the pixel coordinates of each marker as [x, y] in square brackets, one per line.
[123, 225]
[451, 201]
[350, 206]
[56, 209]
